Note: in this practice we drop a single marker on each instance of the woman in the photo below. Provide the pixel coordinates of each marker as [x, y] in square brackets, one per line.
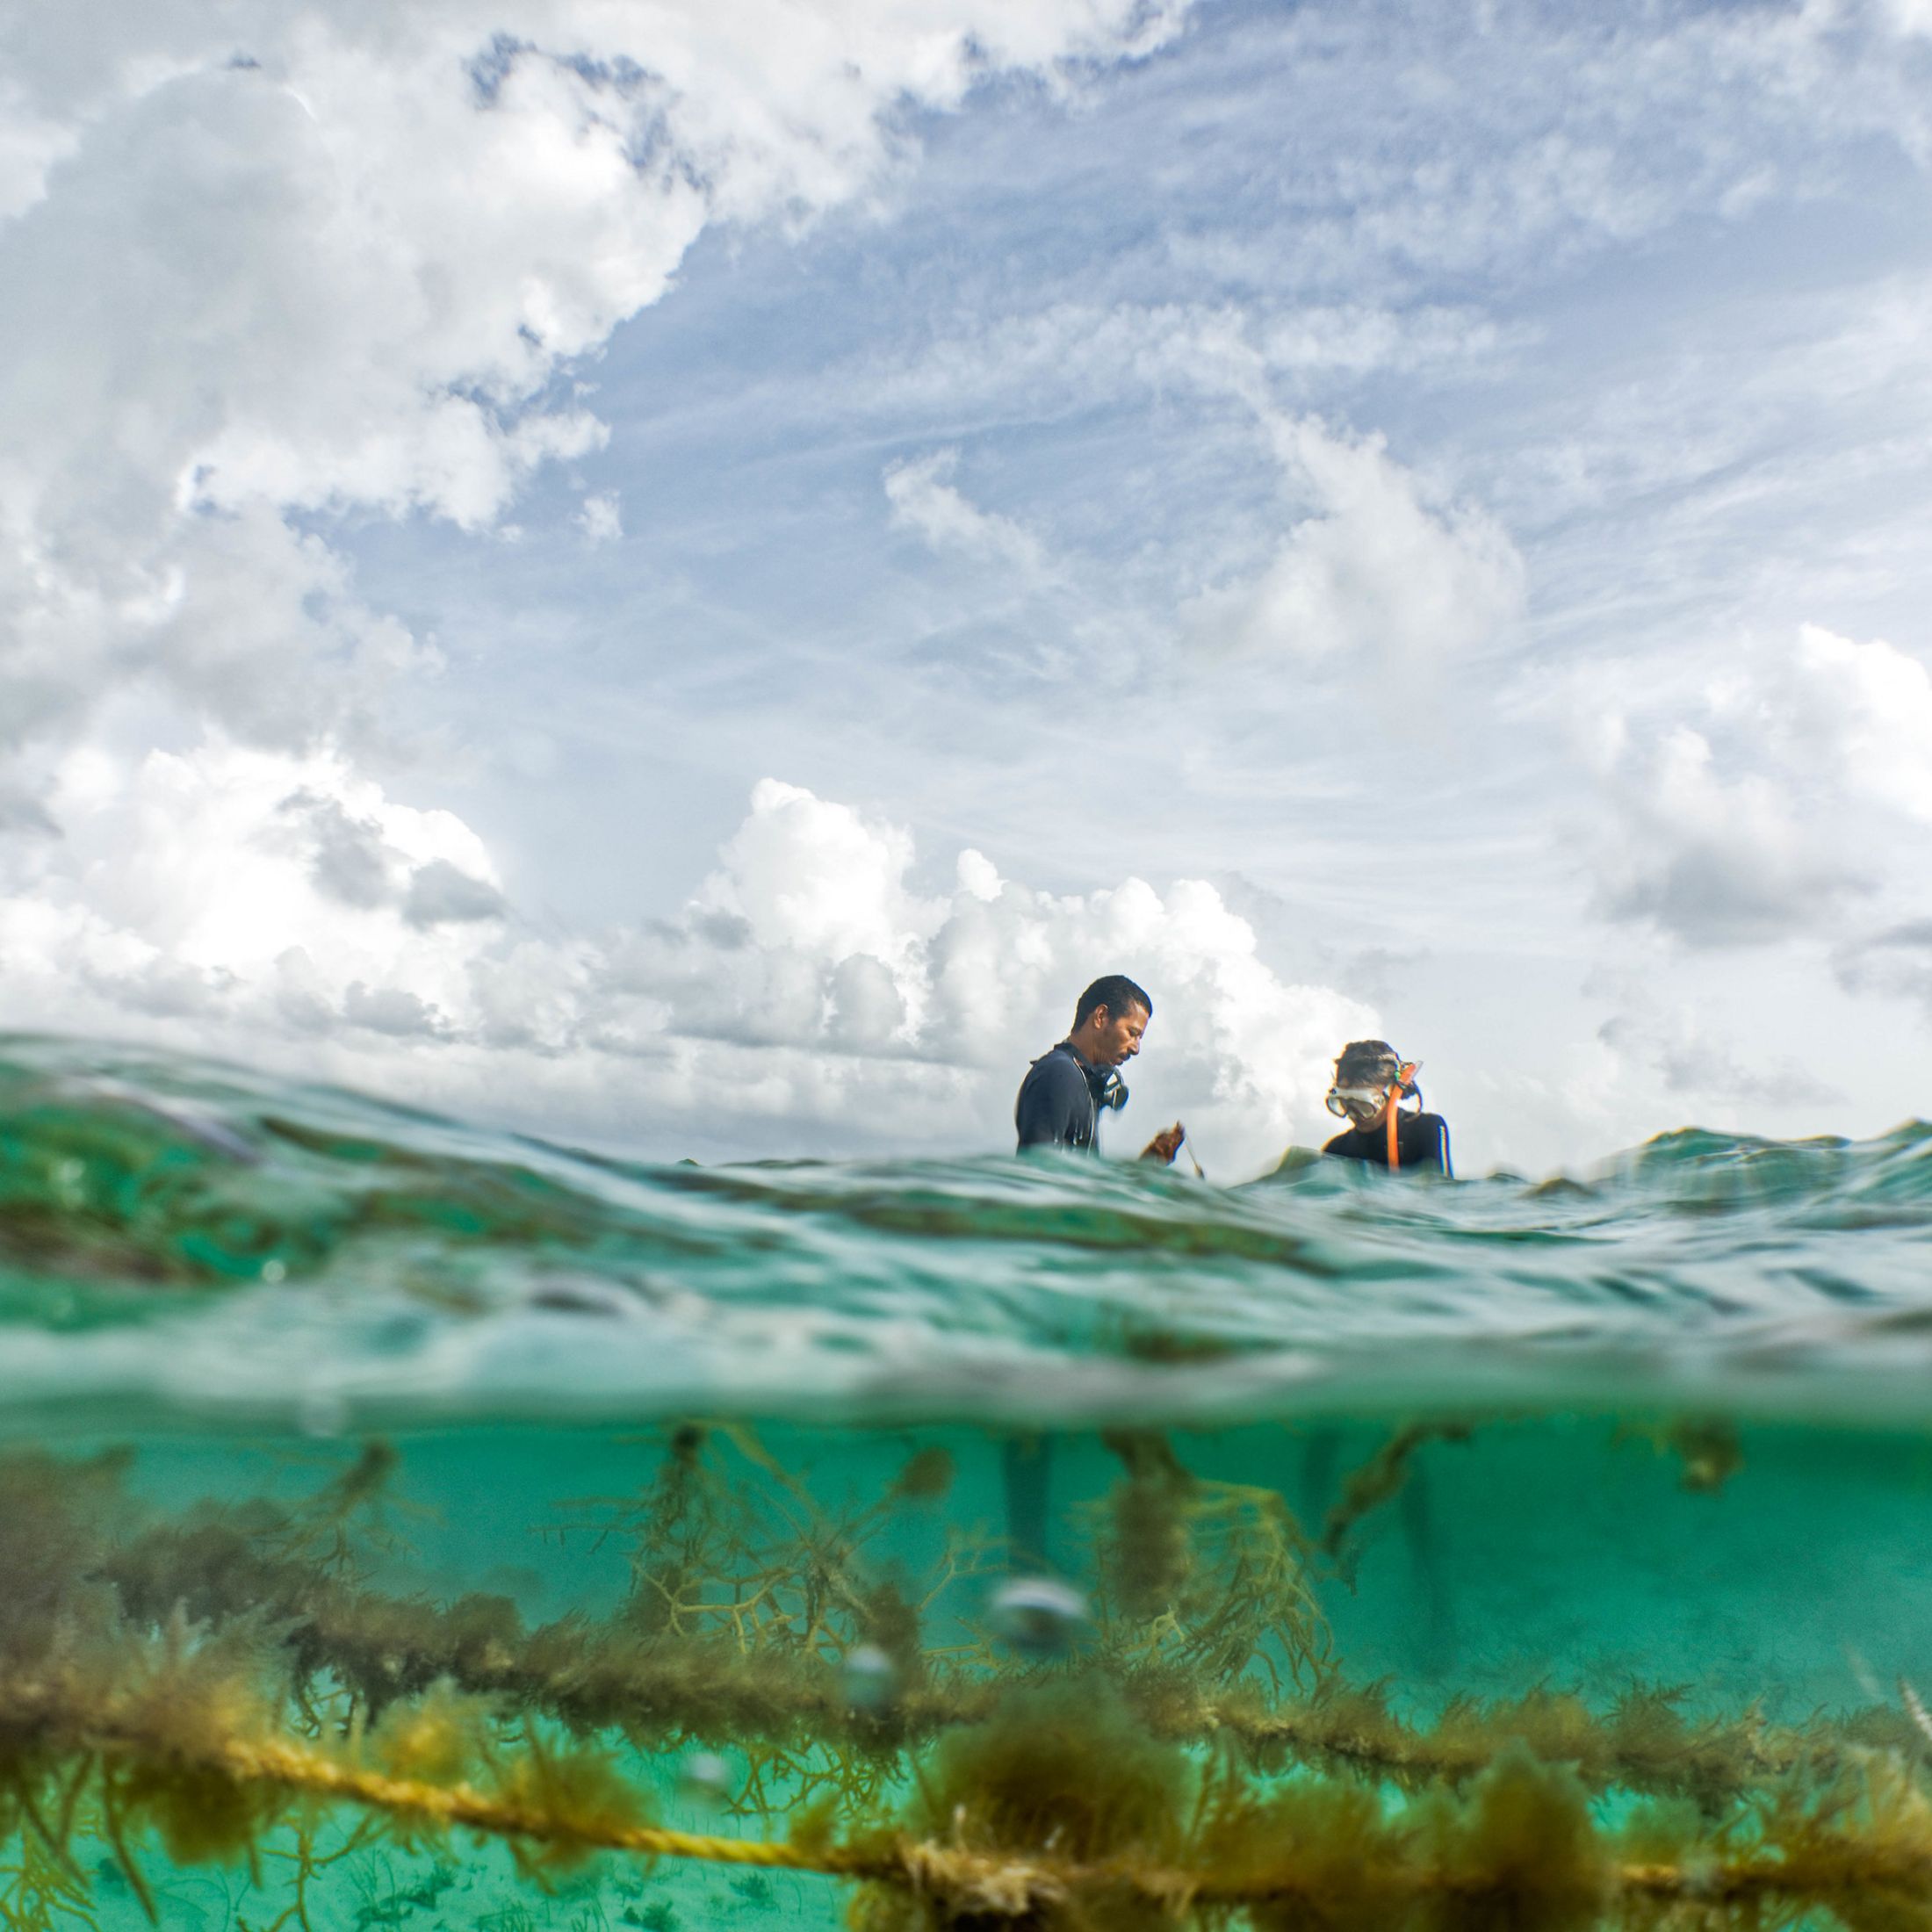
[1372, 1080]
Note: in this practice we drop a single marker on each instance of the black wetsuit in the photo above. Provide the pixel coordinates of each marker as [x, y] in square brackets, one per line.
[1057, 1106]
[1421, 1140]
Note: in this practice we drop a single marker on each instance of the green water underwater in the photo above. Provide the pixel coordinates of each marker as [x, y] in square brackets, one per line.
[404, 1524]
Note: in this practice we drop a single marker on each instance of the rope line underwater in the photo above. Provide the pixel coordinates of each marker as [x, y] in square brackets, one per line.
[1879, 1845]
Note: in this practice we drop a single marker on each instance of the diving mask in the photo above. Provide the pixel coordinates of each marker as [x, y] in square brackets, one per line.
[1345, 1100]
[1362, 1100]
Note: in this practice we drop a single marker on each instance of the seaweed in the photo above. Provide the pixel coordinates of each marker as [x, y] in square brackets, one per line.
[226, 1688]
[1706, 1447]
[1382, 1477]
[1201, 1581]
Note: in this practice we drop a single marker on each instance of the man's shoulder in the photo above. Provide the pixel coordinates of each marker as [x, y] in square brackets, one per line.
[1057, 1067]
[1055, 1105]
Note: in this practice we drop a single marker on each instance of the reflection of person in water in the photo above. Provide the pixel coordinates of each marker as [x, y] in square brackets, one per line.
[1372, 1080]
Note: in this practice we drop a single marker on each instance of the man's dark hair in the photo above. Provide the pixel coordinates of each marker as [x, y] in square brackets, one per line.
[1365, 1060]
[1116, 992]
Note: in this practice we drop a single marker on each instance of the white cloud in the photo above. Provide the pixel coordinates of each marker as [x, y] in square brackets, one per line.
[1762, 799]
[1908, 17]
[1713, 856]
[922, 499]
[811, 877]
[1068, 355]
[233, 868]
[1696, 1066]
[1895, 962]
[281, 905]
[1372, 573]
[600, 518]
[1866, 711]
[835, 939]
[265, 260]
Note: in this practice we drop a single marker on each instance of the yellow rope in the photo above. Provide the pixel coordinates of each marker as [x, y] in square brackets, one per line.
[298, 1769]
[995, 1882]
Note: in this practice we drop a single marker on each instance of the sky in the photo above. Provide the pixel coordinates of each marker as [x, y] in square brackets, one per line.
[680, 576]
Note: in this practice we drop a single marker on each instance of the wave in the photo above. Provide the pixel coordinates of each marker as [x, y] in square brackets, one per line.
[204, 1237]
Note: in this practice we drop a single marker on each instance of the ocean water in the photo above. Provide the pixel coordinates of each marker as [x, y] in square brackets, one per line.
[409, 1524]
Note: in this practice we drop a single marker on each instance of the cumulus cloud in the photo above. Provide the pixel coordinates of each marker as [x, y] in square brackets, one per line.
[1757, 803]
[1371, 576]
[809, 990]
[1373, 573]
[237, 871]
[1713, 857]
[1895, 962]
[846, 955]
[924, 1001]
[266, 261]
[1866, 711]
[440, 892]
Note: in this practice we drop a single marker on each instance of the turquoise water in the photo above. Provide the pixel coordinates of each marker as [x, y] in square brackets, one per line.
[401, 1523]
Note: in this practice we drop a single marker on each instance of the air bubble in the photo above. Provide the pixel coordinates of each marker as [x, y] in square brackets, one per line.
[869, 1678]
[1038, 1616]
[705, 1779]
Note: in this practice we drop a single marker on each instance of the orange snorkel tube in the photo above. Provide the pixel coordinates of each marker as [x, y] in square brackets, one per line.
[1405, 1075]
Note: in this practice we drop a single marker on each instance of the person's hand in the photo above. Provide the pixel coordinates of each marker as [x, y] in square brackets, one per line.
[1165, 1144]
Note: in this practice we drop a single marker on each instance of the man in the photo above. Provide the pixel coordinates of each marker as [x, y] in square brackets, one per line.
[1371, 1082]
[1061, 1098]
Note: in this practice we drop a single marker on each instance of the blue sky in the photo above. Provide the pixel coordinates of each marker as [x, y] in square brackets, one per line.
[1374, 518]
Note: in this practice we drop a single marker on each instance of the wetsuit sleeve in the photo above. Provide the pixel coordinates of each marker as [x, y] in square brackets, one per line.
[1053, 1104]
[1426, 1144]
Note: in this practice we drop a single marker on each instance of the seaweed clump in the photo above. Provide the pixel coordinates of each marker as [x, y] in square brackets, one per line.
[1052, 1784]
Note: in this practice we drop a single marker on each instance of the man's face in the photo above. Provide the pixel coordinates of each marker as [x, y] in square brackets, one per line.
[1119, 1038]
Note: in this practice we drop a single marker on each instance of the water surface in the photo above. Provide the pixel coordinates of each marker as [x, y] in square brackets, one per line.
[408, 1524]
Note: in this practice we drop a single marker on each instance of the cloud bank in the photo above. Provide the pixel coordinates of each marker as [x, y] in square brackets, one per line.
[809, 996]
[270, 264]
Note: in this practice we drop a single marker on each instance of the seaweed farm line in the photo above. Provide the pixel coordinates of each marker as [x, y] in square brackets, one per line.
[1561, 1670]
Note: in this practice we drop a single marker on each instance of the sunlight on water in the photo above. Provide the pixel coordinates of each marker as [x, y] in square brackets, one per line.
[407, 1525]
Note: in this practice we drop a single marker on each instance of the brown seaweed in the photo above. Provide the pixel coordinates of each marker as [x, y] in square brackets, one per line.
[221, 1683]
